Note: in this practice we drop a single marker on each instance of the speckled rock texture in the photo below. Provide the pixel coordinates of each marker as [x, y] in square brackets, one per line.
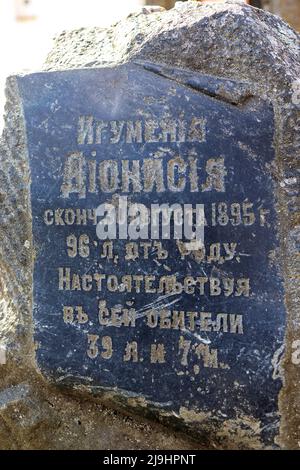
[228, 40]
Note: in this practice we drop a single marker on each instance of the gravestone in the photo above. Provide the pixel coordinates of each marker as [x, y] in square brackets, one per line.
[195, 108]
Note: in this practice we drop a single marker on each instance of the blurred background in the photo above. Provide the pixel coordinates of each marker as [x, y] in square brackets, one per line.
[28, 26]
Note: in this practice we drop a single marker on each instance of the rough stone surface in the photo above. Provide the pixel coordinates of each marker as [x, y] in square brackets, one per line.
[229, 40]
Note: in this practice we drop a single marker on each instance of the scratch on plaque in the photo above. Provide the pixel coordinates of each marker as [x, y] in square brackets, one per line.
[228, 91]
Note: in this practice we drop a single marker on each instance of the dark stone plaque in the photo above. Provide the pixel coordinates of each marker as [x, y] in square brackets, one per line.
[184, 330]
